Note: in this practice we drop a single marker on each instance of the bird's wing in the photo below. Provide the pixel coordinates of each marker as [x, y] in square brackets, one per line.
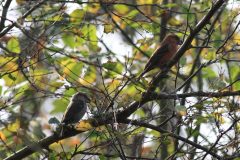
[76, 107]
[158, 54]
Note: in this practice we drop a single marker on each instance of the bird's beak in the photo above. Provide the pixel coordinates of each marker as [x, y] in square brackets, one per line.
[180, 42]
[87, 100]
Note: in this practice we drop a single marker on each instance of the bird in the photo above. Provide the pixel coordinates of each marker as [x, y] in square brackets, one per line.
[76, 109]
[163, 53]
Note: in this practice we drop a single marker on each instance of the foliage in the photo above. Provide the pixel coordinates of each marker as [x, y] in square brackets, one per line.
[53, 49]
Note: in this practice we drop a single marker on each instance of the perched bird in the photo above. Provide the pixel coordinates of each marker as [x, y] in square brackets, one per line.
[163, 53]
[76, 109]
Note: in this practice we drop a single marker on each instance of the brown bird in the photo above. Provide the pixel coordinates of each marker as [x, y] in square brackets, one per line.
[163, 53]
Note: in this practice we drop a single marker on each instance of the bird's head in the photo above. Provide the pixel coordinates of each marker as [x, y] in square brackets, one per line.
[175, 38]
[81, 96]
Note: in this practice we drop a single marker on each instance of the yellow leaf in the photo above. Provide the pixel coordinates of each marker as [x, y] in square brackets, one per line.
[236, 38]
[13, 45]
[140, 41]
[172, 21]
[137, 130]
[108, 28]
[144, 2]
[77, 16]
[83, 126]
[89, 77]
[122, 25]
[116, 18]
[29, 17]
[94, 7]
[218, 116]
[101, 128]
[15, 126]
[2, 135]
[210, 55]
[20, 1]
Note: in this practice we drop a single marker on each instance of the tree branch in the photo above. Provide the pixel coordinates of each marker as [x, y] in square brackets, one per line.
[156, 128]
[4, 14]
[163, 74]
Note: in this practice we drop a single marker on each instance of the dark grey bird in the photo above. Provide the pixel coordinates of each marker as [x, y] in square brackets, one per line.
[76, 109]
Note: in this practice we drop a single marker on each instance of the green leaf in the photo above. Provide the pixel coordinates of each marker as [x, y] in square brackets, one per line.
[237, 85]
[235, 70]
[166, 134]
[137, 97]
[119, 135]
[79, 41]
[132, 13]
[198, 106]
[0, 90]
[76, 16]
[180, 108]
[13, 45]
[53, 49]
[59, 72]
[28, 91]
[122, 9]
[65, 155]
[11, 77]
[201, 120]
[183, 60]
[68, 39]
[53, 85]
[75, 71]
[210, 55]
[60, 106]
[148, 27]
[101, 157]
[21, 91]
[84, 53]
[139, 129]
[53, 156]
[208, 73]
[115, 156]
[166, 142]
[49, 58]
[119, 67]
[155, 25]
[109, 65]
[53, 120]
[170, 5]
[141, 113]
[70, 92]
[90, 32]
[195, 133]
[53, 18]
